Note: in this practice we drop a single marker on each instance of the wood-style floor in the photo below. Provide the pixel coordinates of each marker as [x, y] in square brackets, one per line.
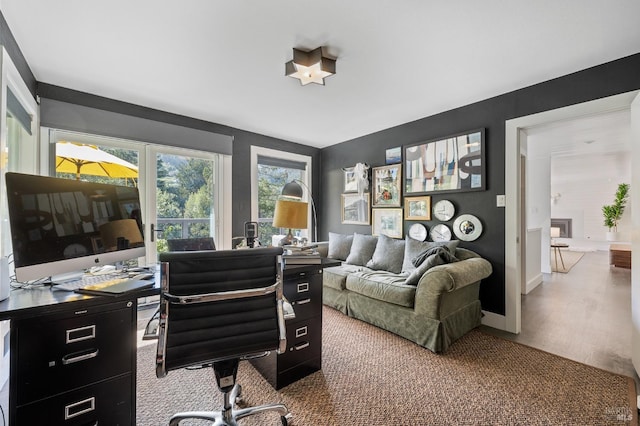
[583, 315]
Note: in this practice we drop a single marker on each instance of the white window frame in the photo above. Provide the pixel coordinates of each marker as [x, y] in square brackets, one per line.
[274, 153]
[222, 197]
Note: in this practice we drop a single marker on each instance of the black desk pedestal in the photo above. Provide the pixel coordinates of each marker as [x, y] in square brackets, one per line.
[303, 289]
[73, 357]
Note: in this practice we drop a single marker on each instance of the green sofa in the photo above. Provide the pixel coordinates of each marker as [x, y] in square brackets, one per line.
[432, 304]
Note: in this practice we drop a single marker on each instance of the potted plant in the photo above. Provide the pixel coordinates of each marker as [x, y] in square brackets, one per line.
[613, 212]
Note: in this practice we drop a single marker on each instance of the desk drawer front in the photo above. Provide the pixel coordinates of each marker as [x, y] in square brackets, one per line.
[105, 403]
[304, 341]
[305, 294]
[58, 355]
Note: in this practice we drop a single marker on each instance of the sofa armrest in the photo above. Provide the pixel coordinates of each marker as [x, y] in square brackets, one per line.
[447, 278]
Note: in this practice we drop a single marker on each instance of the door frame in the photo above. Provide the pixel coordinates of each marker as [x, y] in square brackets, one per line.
[511, 321]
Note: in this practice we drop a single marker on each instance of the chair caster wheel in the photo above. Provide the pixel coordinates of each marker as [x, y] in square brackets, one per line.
[286, 419]
[239, 398]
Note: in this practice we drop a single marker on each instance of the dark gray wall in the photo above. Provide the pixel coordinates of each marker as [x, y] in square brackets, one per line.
[242, 174]
[605, 80]
[242, 141]
[7, 40]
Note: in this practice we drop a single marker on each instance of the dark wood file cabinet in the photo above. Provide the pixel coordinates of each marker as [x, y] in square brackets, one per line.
[303, 356]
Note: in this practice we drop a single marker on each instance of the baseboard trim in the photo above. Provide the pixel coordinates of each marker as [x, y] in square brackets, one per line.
[533, 283]
[494, 320]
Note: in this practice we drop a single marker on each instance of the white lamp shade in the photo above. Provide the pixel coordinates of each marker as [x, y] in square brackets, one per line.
[555, 232]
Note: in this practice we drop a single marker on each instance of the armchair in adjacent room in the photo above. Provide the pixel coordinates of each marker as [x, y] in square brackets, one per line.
[217, 308]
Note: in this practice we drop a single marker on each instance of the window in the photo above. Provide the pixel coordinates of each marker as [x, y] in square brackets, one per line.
[180, 189]
[271, 170]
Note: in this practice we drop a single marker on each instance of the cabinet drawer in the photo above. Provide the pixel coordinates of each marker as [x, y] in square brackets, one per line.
[104, 403]
[55, 356]
[304, 342]
[305, 294]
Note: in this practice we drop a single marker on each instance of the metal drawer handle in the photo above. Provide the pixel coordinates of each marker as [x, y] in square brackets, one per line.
[302, 287]
[302, 331]
[79, 356]
[81, 333]
[301, 346]
[81, 407]
[303, 301]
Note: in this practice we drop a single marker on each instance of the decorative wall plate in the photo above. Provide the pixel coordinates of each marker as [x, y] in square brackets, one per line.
[440, 232]
[467, 227]
[444, 210]
[418, 231]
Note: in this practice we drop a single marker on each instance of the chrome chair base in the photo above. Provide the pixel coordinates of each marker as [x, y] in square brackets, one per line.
[228, 416]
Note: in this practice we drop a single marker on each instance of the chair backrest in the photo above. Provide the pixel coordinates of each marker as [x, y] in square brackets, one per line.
[191, 244]
[218, 305]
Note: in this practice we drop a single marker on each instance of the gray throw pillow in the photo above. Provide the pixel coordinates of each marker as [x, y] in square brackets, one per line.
[339, 245]
[362, 249]
[413, 248]
[388, 255]
[441, 255]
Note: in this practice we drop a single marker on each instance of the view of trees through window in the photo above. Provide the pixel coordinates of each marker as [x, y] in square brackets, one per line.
[271, 179]
[184, 193]
[184, 198]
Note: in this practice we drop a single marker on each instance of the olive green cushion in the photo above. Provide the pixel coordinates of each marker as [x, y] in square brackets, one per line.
[382, 285]
[336, 276]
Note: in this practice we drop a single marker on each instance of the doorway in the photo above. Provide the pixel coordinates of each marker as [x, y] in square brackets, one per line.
[513, 260]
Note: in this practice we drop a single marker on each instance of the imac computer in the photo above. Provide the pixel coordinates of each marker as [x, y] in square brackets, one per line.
[60, 227]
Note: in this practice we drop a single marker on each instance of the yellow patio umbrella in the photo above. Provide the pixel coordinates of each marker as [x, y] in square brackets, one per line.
[82, 159]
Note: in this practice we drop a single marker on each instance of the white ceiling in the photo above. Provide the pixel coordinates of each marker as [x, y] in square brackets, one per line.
[397, 61]
[608, 132]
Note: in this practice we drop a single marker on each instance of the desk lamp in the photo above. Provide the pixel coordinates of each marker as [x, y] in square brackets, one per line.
[555, 233]
[293, 190]
[290, 214]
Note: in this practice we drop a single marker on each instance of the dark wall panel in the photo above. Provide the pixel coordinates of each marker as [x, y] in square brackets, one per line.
[242, 143]
[601, 81]
[7, 40]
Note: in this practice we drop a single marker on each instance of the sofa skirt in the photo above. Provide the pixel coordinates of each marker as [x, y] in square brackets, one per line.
[435, 335]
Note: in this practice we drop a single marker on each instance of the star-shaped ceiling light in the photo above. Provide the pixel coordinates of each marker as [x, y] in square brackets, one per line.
[310, 67]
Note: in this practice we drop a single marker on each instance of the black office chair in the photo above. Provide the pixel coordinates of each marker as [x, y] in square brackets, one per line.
[191, 244]
[216, 308]
[178, 244]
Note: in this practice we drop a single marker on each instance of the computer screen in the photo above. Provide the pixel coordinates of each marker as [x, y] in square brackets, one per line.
[61, 226]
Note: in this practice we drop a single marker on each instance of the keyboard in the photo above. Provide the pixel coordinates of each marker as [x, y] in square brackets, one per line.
[88, 280]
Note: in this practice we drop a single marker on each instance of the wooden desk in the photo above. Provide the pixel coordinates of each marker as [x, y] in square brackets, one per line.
[620, 255]
[71, 361]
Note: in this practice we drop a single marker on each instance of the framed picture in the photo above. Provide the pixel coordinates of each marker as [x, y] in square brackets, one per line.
[355, 209]
[387, 188]
[350, 180]
[393, 155]
[387, 222]
[452, 164]
[417, 208]
[97, 245]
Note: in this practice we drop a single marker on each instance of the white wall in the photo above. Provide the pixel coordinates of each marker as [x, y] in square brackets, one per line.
[583, 160]
[586, 183]
[538, 204]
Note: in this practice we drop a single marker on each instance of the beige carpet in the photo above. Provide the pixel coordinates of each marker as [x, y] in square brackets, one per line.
[569, 257]
[372, 377]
